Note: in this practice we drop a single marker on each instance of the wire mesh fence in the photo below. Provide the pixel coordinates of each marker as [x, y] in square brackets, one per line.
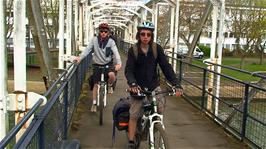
[50, 124]
[239, 106]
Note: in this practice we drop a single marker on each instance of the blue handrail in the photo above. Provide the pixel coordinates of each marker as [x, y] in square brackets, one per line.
[16, 129]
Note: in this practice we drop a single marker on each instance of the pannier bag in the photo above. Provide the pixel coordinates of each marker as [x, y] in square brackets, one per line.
[121, 114]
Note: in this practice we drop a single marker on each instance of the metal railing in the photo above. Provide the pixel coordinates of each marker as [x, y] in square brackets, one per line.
[51, 123]
[239, 106]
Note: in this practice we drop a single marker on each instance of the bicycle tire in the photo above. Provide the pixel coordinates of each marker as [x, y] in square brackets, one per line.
[160, 137]
[101, 104]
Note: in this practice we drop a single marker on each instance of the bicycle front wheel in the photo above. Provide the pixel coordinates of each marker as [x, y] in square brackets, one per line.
[101, 104]
[160, 137]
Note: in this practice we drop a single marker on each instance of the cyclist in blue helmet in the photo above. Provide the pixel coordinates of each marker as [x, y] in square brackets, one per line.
[141, 72]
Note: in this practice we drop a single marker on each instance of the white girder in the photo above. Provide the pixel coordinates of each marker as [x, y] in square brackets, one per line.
[106, 17]
[118, 13]
[112, 23]
[171, 3]
[117, 26]
[122, 4]
[115, 8]
[216, 2]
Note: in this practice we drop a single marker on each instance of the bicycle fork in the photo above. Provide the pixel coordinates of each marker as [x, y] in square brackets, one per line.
[151, 129]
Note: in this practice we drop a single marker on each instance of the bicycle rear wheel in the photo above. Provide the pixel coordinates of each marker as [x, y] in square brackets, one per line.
[101, 104]
[160, 137]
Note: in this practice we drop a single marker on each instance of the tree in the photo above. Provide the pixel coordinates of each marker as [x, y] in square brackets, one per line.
[190, 15]
[260, 30]
[164, 25]
[248, 26]
[9, 15]
[50, 9]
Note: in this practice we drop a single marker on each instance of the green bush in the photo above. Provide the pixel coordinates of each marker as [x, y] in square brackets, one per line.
[206, 50]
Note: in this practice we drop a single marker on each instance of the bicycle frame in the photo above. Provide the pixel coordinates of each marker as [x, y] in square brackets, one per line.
[153, 122]
[101, 84]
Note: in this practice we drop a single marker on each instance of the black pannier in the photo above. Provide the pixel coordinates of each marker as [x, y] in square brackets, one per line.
[121, 114]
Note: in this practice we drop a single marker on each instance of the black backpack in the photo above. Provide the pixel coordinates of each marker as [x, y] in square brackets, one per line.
[121, 115]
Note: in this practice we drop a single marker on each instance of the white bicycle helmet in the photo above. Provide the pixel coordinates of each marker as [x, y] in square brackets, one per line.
[146, 25]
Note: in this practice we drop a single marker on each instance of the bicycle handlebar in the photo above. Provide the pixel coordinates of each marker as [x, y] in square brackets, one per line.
[152, 93]
[103, 66]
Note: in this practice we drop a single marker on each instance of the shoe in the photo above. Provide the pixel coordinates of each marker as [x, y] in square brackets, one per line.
[110, 89]
[131, 145]
[93, 108]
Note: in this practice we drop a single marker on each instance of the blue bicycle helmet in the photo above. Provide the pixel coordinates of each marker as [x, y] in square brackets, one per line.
[146, 25]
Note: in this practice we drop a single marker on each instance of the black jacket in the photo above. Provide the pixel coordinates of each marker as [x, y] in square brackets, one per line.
[143, 71]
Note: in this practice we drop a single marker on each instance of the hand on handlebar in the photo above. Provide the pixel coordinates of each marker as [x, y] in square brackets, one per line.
[76, 59]
[118, 67]
[134, 89]
[178, 90]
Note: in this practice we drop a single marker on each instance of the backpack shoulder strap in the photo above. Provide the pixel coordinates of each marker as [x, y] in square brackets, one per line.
[135, 50]
[154, 50]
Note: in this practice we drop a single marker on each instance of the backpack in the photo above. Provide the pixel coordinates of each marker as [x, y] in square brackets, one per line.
[154, 50]
[121, 115]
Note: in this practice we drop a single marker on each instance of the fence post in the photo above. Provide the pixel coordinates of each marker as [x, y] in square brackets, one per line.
[245, 111]
[65, 110]
[77, 82]
[180, 70]
[41, 138]
[203, 88]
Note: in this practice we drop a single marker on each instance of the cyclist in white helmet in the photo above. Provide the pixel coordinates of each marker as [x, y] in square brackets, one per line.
[141, 72]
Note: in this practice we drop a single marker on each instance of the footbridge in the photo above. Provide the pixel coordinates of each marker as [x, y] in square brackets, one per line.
[45, 97]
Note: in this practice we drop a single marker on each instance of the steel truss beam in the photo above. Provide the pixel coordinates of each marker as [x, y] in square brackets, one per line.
[112, 17]
[115, 8]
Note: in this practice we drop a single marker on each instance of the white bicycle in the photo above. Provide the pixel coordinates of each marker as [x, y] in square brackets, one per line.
[102, 90]
[150, 125]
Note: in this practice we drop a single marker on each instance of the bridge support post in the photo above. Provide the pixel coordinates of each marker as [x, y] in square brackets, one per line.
[172, 45]
[176, 33]
[40, 39]
[61, 35]
[20, 62]
[213, 58]
[219, 51]
[81, 17]
[69, 28]
[3, 72]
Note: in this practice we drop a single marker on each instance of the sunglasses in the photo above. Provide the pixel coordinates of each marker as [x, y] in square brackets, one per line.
[104, 31]
[145, 34]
